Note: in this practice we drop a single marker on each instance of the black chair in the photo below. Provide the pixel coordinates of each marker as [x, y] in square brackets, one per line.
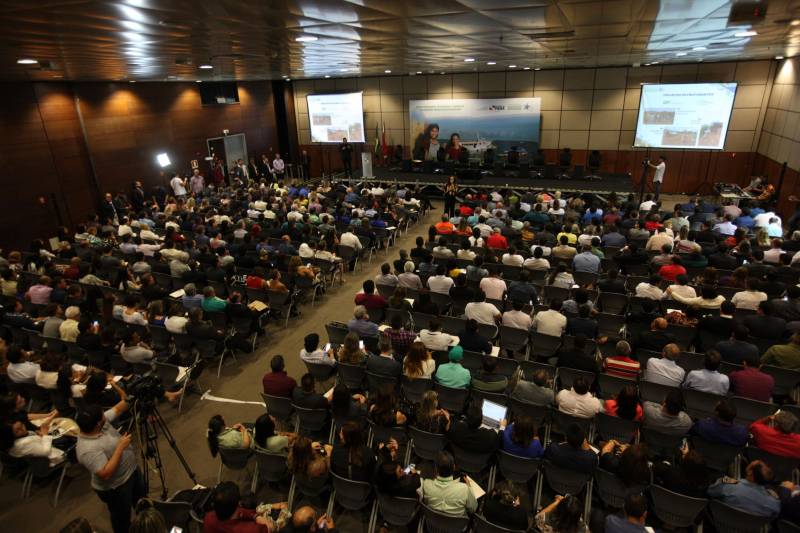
[609, 325]
[529, 368]
[336, 332]
[609, 386]
[451, 399]
[311, 422]
[661, 444]
[654, 392]
[783, 467]
[482, 525]
[732, 520]
[397, 512]
[352, 496]
[521, 470]
[543, 346]
[565, 481]
[320, 371]
[414, 388]
[311, 488]
[176, 514]
[436, 522]
[567, 376]
[676, 510]
[612, 303]
[39, 468]
[279, 407]
[352, 375]
[473, 463]
[380, 433]
[426, 445]
[748, 411]
[700, 404]
[561, 422]
[478, 396]
[514, 340]
[786, 379]
[612, 490]
[718, 456]
[376, 382]
[233, 459]
[613, 427]
[271, 467]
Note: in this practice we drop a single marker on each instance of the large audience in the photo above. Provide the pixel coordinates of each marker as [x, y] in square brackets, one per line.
[657, 349]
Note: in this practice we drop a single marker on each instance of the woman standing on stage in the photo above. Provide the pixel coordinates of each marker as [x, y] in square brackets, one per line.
[450, 196]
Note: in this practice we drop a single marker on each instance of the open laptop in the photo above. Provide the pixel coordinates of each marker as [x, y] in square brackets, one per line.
[493, 413]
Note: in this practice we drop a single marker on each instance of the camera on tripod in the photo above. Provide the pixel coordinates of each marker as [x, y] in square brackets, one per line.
[146, 390]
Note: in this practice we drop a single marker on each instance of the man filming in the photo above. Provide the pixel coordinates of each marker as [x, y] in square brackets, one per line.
[106, 453]
[658, 176]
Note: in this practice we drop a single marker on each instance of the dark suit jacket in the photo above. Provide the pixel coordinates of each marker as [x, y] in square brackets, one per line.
[565, 456]
[386, 366]
[479, 440]
[309, 400]
[765, 327]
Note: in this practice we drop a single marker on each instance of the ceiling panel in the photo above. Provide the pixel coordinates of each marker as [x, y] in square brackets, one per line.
[254, 39]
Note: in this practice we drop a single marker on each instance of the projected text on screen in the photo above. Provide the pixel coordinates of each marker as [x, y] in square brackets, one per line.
[688, 115]
[333, 117]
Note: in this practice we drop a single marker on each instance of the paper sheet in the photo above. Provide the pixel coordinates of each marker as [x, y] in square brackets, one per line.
[476, 489]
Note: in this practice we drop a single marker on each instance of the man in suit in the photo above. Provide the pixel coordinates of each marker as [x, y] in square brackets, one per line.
[137, 196]
[305, 161]
[384, 363]
[252, 168]
[305, 396]
[722, 326]
[346, 151]
[764, 325]
[203, 329]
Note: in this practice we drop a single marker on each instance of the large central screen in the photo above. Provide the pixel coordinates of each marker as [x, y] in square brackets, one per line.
[685, 115]
[333, 117]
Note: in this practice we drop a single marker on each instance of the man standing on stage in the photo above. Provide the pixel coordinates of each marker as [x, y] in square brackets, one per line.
[346, 151]
[658, 176]
[278, 166]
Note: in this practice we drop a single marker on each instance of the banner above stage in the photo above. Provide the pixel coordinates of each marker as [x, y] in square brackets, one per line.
[464, 128]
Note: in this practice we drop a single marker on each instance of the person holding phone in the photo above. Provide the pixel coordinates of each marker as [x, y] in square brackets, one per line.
[106, 453]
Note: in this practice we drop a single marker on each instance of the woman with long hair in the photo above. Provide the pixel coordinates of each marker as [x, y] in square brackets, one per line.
[221, 436]
[562, 516]
[308, 459]
[520, 438]
[430, 417]
[454, 147]
[398, 299]
[351, 457]
[627, 461]
[350, 351]
[267, 438]
[450, 191]
[625, 404]
[504, 507]
[347, 406]
[384, 412]
[418, 362]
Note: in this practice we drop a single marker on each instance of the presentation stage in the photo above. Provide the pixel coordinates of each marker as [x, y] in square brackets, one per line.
[334, 117]
[686, 115]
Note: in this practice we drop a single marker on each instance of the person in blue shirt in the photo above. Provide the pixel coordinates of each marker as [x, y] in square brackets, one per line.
[586, 261]
[750, 494]
[720, 428]
[591, 214]
[745, 220]
[634, 519]
[519, 438]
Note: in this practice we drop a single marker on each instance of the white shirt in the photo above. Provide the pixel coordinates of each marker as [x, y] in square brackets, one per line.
[762, 220]
[549, 322]
[176, 324]
[437, 341]
[658, 175]
[493, 288]
[664, 371]
[278, 165]
[350, 239]
[536, 264]
[34, 445]
[440, 284]
[513, 260]
[645, 290]
[177, 186]
[645, 206]
[24, 372]
[710, 381]
[578, 405]
[481, 312]
[469, 255]
[773, 255]
[546, 250]
[682, 290]
[517, 319]
[748, 299]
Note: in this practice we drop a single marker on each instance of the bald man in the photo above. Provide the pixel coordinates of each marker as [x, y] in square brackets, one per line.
[656, 338]
[665, 370]
[304, 520]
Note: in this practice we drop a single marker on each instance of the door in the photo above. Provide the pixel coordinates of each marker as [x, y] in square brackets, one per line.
[235, 149]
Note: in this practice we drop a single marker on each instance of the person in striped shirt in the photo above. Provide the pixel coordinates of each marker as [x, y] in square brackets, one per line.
[621, 364]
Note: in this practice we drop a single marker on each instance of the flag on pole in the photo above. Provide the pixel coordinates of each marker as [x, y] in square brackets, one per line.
[385, 149]
[377, 140]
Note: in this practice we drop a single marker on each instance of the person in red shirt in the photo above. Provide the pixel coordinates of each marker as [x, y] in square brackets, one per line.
[445, 227]
[496, 240]
[465, 210]
[673, 270]
[625, 404]
[228, 517]
[774, 435]
[277, 382]
[255, 280]
[370, 300]
[621, 364]
[751, 382]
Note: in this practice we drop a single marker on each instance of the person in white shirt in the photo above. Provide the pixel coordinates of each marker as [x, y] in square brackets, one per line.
[35, 444]
[482, 311]
[20, 369]
[656, 242]
[465, 252]
[512, 258]
[517, 318]
[647, 205]
[578, 401]
[726, 227]
[773, 255]
[178, 185]
[551, 321]
[537, 262]
[708, 379]
[435, 339]
[762, 219]
[440, 283]
[68, 330]
[750, 297]
[278, 166]
[665, 370]
[176, 321]
[350, 239]
[493, 287]
[658, 175]
[681, 288]
[408, 278]
[650, 289]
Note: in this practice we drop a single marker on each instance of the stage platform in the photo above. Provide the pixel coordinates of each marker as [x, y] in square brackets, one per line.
[619, 184]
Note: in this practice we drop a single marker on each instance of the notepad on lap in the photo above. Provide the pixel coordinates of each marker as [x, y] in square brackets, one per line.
[177, 294]
[476, 489]
[257, 305]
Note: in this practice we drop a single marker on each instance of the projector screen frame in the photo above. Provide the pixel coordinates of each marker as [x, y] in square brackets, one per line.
[333, 93]
[694, 148]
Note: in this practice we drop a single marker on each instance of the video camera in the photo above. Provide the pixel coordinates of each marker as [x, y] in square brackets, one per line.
[146, 390]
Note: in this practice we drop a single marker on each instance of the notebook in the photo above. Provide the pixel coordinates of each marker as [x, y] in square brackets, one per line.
[493, 413]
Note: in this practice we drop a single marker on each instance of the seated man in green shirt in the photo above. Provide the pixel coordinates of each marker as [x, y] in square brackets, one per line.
[445, 494]
[784, 355]
[211, 303]
[452, 374]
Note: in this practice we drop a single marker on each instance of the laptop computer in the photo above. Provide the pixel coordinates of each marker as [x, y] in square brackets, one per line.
[493, 413]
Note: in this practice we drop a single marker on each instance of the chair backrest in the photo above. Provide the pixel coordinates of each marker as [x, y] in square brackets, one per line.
[471, 462]
[718, 456]
[235, 458]
[611, 385]
[540, 414]
[482, 525]
[426, 445]
[271, 466]
[451, 399]
[436, 522]
[398, 512]
[748, 411]
[654, 392]
[562, 420]
[384, 433]
[675, 509]
[732, 520]
[478, 396]
[517, 469]
[564, 481]
[176, 514]
[661, 444]
[376, 382]
[782, 467]
[336, 332]
[414, 388]
[613, 303]
[700, 404]
[529, 368]
[612, 490]
[160, 336]
[567, 376]
[616, 428]
[352, 495]
[351, 375]
[544, 345]
[786, 379]
[319, 371]
[310, 421]
[278, 406]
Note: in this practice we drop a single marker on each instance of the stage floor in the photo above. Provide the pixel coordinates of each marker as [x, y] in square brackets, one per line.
[605, 185]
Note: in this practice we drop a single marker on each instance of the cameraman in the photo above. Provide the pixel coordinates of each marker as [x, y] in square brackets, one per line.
[105, 453]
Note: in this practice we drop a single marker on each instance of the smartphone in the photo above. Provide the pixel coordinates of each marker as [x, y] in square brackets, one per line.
[95, 323]
[409, 468]
[327, 347]
[361, 344]
[176, 529]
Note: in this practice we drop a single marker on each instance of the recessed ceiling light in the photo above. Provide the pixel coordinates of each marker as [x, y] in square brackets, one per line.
[343, 69]
[26, 61]
[491, 62]
[442, 72]
[288, 79]
[469, 59]
[206, 66]
[512, 66]
[538, 68]
[198, 81]
[326, 76]
[795, 22]
[305, 39]
[647, 64]
[749, 33]
[655, 63]
[131, 81]
[172, 77]
[419, 72]
[699, 48]
[680, 54]
[387, 71]
[526, 68]
[778, 57]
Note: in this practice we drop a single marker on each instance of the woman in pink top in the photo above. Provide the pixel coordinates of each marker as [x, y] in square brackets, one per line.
[626, 404]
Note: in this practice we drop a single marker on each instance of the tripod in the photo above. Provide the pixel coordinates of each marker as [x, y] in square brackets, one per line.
[147, 421]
